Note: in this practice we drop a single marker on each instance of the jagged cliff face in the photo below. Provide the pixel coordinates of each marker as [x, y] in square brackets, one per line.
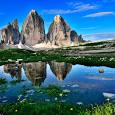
[33, 31]
[36, 72]
[10, 34]
[60, 69]
[75, 38]
[59, 32]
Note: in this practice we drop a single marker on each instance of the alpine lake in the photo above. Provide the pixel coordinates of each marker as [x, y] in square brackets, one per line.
[56, 82]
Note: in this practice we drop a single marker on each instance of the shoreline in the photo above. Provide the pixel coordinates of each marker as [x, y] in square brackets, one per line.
[59, 55]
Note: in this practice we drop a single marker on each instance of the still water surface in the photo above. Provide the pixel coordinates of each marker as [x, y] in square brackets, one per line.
[85, 84]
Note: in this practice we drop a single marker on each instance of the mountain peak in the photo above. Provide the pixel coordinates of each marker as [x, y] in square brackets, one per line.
[57, 19]
[32, 12]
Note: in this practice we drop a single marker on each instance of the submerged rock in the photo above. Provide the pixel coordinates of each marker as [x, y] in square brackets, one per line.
[109, 95]
[79, 103]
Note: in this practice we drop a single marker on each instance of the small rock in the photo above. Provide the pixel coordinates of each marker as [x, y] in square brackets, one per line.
[101, 70]
[4, 101]
[109, 95]
[79, 103]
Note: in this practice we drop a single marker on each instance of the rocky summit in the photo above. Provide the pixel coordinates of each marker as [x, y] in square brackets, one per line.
[33, 31]
[75, 38]
[59, 32]
[10, 34]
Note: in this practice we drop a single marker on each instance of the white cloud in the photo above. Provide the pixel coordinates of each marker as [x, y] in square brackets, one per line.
[99, 14]
[59, 11]
[85, 7]
[74, 8]
[99, 36]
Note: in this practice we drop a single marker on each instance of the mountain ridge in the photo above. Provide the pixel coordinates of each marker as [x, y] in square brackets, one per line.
[33, 32]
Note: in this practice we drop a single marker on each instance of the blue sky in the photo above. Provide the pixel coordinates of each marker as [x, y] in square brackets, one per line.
[95, 19]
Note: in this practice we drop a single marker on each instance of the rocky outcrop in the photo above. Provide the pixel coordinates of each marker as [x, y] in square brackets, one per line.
[75, 38]
[35, 72]
[60, 69]
[10, 34]
[59, 32]
[33, 31]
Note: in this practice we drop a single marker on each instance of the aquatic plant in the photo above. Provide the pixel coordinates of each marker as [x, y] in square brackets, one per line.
[53, 90]
[3, 81]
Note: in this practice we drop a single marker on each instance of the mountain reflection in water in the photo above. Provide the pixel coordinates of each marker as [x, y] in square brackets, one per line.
[60, 69]
[15, 70]
[36, 71]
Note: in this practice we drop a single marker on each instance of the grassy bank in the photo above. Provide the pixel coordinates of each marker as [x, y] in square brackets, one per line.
[11, 55]
[44, 108]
